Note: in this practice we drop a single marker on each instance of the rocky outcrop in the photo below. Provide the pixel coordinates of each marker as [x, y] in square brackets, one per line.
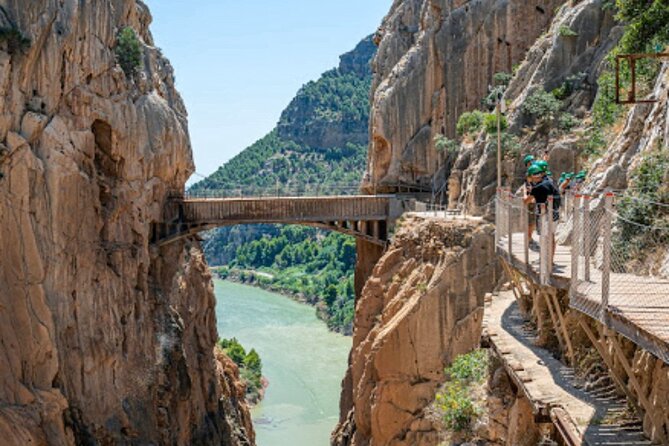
[105, 340]
[436, 60]
[422, 306]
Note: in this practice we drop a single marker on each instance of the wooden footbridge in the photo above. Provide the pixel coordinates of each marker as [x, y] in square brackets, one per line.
[366, 217]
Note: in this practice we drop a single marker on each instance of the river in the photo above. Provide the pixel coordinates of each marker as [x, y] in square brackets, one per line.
[303, 361]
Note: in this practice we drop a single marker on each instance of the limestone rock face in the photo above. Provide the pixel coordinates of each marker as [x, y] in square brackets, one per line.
[105, 340]
[436, 59]
[551, 61]
[422, 306]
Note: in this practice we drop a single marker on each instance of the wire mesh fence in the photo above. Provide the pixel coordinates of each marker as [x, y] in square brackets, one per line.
[614, 262]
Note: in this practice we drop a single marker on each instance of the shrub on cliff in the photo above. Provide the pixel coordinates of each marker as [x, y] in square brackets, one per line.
[641, 237]
[250, 365]
[129, 51]
[470, 122]
[542, 106]
[456, 401]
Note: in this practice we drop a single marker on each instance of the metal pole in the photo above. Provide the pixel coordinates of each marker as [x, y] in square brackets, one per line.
[549, 235]
[606, 263]
[526, 227]
[586, 237]
[498, 216]
[542, 244]
[575, 242]
[499, 143]
[509, 219]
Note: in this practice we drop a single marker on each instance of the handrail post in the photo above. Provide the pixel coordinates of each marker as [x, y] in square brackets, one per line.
[509, 219]
[606, 261]
[542, 244]
[550, 235]
[586, 237]
[575, 244]
[524, 224]
[498, 217]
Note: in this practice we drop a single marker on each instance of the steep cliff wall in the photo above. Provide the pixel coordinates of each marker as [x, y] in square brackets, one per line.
[104, 340]
[421, 307]
[435, 61]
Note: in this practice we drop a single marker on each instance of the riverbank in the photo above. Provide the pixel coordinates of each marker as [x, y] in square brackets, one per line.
[303, 360]
[267, 281]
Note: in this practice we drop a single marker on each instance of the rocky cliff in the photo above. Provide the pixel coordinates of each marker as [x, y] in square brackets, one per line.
[104, 339]
[436, 59]
[421, 307]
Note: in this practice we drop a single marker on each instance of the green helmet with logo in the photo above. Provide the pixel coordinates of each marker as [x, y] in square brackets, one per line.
[534, 169]
[528, 159]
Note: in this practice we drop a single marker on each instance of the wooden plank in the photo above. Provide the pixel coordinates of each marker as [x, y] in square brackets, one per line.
[608, 360]
[563, 326]
[630, 374]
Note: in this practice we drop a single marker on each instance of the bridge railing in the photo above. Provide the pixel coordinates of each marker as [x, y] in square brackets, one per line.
[617, 262]
[291, 190]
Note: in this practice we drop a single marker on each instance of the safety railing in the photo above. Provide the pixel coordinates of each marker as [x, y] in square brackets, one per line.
[516, 224]
[614, 248]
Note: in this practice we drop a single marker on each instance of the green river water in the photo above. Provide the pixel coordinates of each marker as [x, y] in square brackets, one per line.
[303, 361]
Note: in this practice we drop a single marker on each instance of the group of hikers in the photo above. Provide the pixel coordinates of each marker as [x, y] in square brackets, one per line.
[539, 187]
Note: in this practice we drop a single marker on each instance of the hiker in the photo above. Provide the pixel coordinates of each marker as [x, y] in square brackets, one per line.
[542, 188]
[566, 183]
[531, 207]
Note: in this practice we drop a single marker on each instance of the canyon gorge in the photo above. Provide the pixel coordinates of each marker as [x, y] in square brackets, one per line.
[109, 339]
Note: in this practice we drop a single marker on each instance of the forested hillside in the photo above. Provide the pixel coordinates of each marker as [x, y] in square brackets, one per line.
[319, 145]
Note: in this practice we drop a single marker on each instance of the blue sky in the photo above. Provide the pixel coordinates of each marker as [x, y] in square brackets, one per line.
[238, 63]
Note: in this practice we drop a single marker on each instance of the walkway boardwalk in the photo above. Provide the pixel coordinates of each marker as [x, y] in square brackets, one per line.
[634, 305]
[549, 385]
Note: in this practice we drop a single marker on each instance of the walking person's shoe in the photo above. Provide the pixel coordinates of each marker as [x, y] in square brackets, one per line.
[534, 246]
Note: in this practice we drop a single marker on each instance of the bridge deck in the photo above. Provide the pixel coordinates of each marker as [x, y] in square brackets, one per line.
[367, 217]
[638, 305]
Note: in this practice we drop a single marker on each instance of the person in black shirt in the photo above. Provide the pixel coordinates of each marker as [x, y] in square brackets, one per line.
[542, 188]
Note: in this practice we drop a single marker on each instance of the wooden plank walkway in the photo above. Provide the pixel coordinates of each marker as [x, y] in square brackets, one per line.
[638, 305]
[548, 384]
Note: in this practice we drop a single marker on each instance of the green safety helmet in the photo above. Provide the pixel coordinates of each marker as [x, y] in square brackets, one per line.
[549, 173]
[563, 175]
[528, 158]
[534, 170]
[569, 176]
[543, 165]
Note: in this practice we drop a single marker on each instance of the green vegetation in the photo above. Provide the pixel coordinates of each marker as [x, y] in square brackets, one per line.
[337, 97]
[16, 41]
[642, 233]
[566, 31]
[444, 143]
[647, 28]
[456, 401]
[129, 51]
[273, 160]
[250, 366]
[303, 262]
[490, 123]
[542, 106]
[470, 123]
